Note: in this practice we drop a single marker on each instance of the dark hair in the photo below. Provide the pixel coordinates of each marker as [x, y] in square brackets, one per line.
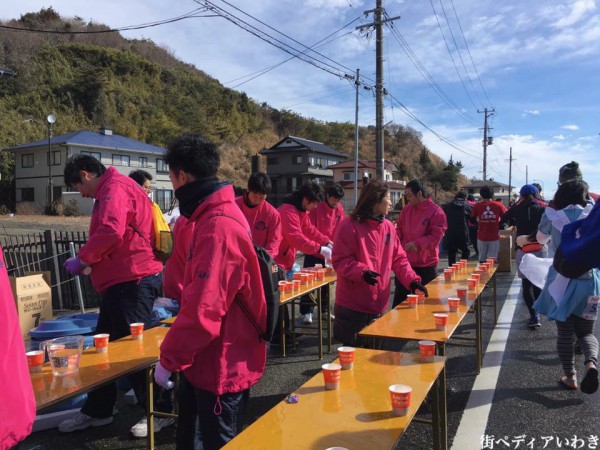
[569, 171]
[538, 186]
[573, 192]
[192, 153]
[416, 186]
[486, 192]
[260, 183]
[335, 190]
[311, 191]
[471, 197]
[140, 176]
[81, 162]
[460, 194]
[371, 194]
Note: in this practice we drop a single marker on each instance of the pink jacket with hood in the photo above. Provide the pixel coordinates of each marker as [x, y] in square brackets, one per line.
[116, 252]
[362, 246]
[326, 219]
[424, 225]
[265, 225]
[212, 341]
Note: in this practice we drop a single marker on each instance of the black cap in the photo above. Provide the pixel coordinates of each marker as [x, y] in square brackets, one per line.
[570, 171]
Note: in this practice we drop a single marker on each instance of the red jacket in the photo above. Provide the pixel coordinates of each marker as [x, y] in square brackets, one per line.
[17, 404]
[326, 219]
[175, 266]
[116, 252]
[368, 245]
[298, 234]
[212, 341]
[265, 224]
[424, 225]
[488, 214]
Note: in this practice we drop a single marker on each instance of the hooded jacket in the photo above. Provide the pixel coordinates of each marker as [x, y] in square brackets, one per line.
[212, 341]
[175, 266]
[265, 225]
[424, 225]
[115, 250]
[326, 219]
[298, 233]
[362, 246]
[525, 215]
[458, 213]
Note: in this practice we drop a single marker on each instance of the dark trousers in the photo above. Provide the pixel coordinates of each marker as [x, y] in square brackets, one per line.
[348, 323]
[220, 417]
[188, 432]
[454, 247]
[426, 273]
[530, 293]
[120, 306]
[306, 304]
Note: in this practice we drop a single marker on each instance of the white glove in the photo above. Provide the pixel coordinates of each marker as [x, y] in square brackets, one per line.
[522, 240]
[326, 253]
[330, 245]
[161, 376]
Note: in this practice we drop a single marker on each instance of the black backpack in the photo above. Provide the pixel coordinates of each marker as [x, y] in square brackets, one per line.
[269, 274]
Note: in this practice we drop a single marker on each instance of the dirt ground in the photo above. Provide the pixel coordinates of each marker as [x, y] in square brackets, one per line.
[25, 224]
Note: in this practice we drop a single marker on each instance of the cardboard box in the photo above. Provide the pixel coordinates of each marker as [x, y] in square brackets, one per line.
[504, 254]
[512, 233]
[33, 298]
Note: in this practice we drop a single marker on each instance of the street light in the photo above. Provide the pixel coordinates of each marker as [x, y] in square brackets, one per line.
[51, 119]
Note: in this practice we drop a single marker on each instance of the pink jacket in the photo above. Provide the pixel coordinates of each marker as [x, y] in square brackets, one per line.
[326, 219]
[265, 224]
[116, 252]
[17, 407]
[424, 225]
[175, 266]
[368, 245]
[298, 234]
[212, 341]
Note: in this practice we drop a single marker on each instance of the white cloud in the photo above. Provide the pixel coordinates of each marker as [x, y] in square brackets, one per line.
[559, 137]
[570, 127]
[530, 112]
[579, 9]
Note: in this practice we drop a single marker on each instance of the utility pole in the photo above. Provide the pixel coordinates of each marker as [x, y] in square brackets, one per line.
[356, 85]
[379, 90]
[510, 160]
[526, 174]
[486, 139]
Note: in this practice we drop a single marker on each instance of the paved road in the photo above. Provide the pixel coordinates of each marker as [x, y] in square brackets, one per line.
[514, 403]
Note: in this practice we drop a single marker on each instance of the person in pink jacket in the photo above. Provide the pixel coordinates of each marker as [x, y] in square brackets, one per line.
[213, 343]
[367, 251]
[124, 271]
[17, 404]
[262, 216]
[420, 226]
[175, 265]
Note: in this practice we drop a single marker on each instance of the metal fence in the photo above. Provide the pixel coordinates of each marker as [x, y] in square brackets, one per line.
[48, 251]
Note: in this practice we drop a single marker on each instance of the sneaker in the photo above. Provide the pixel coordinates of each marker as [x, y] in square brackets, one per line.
[81, 421]
[534, 322]
[325, 316]
[140, 429]
[307, 319]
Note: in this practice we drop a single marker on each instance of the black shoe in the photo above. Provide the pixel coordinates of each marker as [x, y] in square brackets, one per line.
[534, 322]
[589, 384]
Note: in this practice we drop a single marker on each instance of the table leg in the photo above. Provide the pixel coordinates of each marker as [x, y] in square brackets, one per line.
[282, 312]
[495, 301]
[150, 407]
[479, 333]
[329, 312]
[439, 413]
[319, 319]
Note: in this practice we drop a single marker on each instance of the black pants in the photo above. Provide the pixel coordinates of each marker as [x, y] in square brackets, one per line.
[530, 293]
[306, 304]
[426, 273]
[348, 323]
[454, 247]
[188, 435]
[121, 305]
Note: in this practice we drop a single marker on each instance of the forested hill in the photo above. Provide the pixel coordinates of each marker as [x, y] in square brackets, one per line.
[144, 92]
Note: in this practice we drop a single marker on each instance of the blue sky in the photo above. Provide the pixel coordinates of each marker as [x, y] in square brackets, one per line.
[537, 62]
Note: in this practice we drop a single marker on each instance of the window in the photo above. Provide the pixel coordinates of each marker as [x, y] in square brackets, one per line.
[161, 167]
[143, 161]
[312, 161]
[348, 176]
[96, 155]
[27, 194]
[164, 198]
[297, 159]
[120, 160]
[27, 161]
[272, 161]
[54, 158]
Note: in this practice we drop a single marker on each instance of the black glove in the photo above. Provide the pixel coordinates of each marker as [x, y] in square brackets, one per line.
[371, 277]
[414, 285]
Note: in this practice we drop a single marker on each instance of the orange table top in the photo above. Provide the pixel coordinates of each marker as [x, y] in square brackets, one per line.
[124, 356]
[356, 416]
[418, 323]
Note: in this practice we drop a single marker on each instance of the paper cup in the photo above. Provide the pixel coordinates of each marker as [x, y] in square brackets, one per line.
[332, 373]
[421, 297]
[491, 261]
[297, 276]
[318, 266]
[297, 285]
[35, 360]
[476, 276]
[427, 350]
[305, 278]
[283, 287]
[346, 355]
[453, 303]
[471, 283]
[441, 321]
[400, 394]
[137, 331]
[412, 300]
[101, 342]
[447, 274]
[461, 293]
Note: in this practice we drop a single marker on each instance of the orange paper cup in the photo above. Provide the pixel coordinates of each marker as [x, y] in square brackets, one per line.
[471, 283]
[453, 303]
[412, 300]
[441, 321]
[427, 350]
[137, 331]
[346, 355]
[421, 297]
[332, 373]
[491, 261]
[400, 394]
[101, 342]
[297, 276]
[447, 274]
[35, 360]
[461, 293]
[297, 285]
[476, 276]
[283, 287]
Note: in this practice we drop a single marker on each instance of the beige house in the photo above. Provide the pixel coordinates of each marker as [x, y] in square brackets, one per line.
[501, 191]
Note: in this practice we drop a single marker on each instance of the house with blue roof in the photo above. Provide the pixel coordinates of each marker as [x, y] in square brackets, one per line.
[40, 164]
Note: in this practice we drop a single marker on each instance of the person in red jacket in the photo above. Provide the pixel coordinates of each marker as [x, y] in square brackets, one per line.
[367, 251]
[488, 214]
[213, 343]
[17, 412]
[420, 227]
[124, 271]
[325, 218]
[262, 216]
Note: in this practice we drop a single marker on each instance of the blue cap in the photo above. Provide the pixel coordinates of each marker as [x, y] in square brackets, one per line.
[529, 189]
